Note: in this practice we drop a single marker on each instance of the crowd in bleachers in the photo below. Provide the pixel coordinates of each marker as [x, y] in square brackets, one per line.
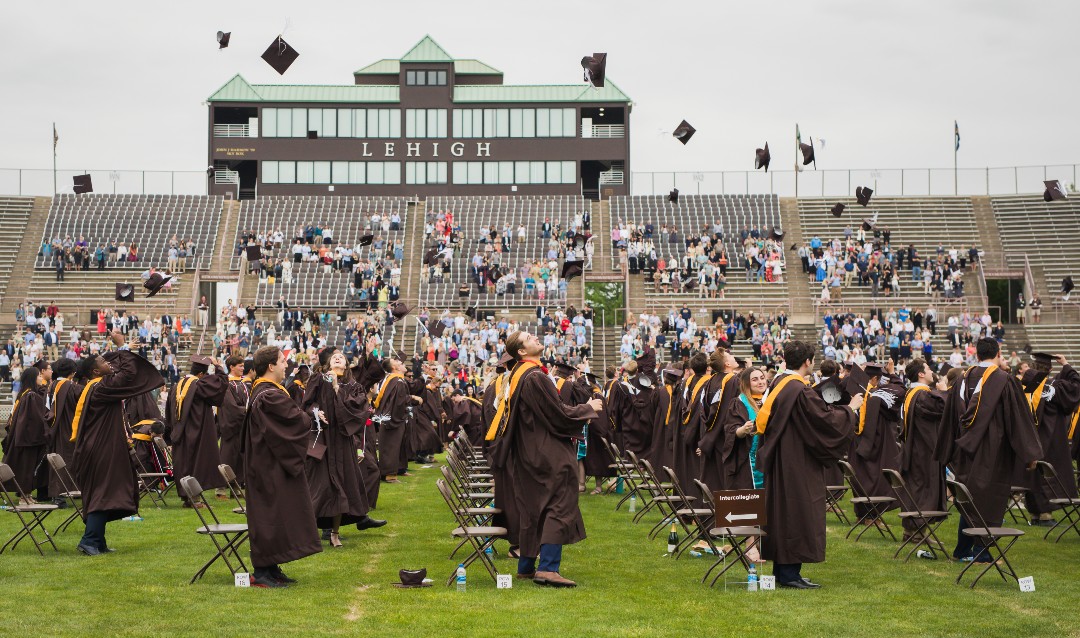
[903, 333]
[867, 259]
[679, 334]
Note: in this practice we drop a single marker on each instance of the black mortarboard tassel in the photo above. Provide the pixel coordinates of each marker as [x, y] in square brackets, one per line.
[673, 196]
[82, 184]
[223, 39]
[594, 66]
[280, 55]
[837, 210]
[571, 269]
[125, 292]
[762, 158]
[1054, 191]
[808, 153]
[684, 132]
[862, 195]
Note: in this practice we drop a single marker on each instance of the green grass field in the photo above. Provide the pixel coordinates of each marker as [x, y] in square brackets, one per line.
[626, 586]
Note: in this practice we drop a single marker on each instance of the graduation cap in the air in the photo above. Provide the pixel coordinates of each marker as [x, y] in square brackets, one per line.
[690, 283]
[313, 135]
[1031, 380]
[125, 292]
[400, 310]
[594, 66]
[683, 132]
[254, 252]
[868, 223]
[673, 196]
[223, 39]
[366, 240]
[862, 195]
[777, 233]
[82, 184]
[280, 55]
[429, 256]
[1026, 349]
[762, 158]
[837, 210]
[1054, 191]
[435, 328]
[1067, 285]
[580, 240]
[943, 369]
[470, 312]
[808, 153]
[155, 283]
[571, 269]
[832, 390]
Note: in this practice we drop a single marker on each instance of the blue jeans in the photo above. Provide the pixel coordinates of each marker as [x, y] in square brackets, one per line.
[966, 545]
[94, 536]
[550, 560]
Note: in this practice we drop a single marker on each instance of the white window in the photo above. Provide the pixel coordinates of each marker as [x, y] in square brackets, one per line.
[305, 172]
[515, 123]
[329, 123]
[360, 122]
[284, 122]
[315, 121]
[269, 172]
[554, 172]
[392, 172]
[569, 123]
[537, 170]
[299, 123]
[269, 120]
[569, 172]
[506, 172]
[357, 173]
[556, 123]
[491, 172]
[489, 123]
[543, 122]
[502, 126]
[456, 123]
[286, 172]
[339, 173]
[521, 173]
[528, 123]
[476, 172]
[344, 122]
[375, 173]
[461, 172]
[322, 172]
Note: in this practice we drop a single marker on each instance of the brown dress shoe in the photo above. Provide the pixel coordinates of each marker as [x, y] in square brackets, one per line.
[552, 579]
[524, 576]
[391, 479]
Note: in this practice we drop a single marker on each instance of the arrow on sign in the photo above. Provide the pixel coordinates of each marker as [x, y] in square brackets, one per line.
[739, 517]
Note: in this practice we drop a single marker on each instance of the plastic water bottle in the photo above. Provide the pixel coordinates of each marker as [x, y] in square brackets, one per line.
[695, 554]
[633, 503]
[461, 577]
[133, 518]
[751, 579]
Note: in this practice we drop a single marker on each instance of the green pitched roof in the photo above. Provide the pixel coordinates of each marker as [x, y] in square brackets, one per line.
[238, 90]
[382, 67]
[461, 67]
[542, 93]
[427, 50]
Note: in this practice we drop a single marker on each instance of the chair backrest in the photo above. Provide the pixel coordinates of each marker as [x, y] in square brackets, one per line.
[706, 494]
[966, 504]
[7, 475]
[677, 488]
[59, 467]
[227, 472]
[853, 481]
[900, 487]
[1050, 476]
[194, 491]
[455, 510]
[163, 449]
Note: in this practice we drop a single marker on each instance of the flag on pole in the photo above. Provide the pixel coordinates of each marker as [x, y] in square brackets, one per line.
[956, 132]
[55, 137]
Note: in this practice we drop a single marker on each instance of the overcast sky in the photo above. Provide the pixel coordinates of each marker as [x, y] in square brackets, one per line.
[882, 82]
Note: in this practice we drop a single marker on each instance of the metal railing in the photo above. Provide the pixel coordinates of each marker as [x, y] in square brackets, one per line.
[886, 182]
[611, 177]
[232, 130]
[603, 131]
[39, 181]
[225, 176]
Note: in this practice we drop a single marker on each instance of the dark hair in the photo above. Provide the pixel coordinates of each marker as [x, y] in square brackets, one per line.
[514, 343]
[233, 360]
[63, 367]
[249, 365]
[913, 369]
[264, 358]
[86, 367]
[797, 353]
[29, 379]
[199, 368]
[987, 348]
[698, 363]
[829, 368]
[324, 359]
[388, 365]
[610, 372]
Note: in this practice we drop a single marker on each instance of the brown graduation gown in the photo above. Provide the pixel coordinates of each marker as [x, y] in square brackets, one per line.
[665, 424]
[923, 475]
[501, 471]
[393, 408]
[711, 433]
[736, 451]
[1053, 420]
[230, 424]
[803, 434]
[687, 465]
[334, 481]
[367, 373]
[425, 436]
[194, 435]
[101, 463]
[63, 409]
[875, 448]
[833, 474]
[544, 460]
[281, 521]
[984, 440]
[632, 405]
[26, 444]
[597, 459]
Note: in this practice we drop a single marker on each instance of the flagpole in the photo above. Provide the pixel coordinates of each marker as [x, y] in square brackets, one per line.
[796, 159]
[54, 158]
[956, 190]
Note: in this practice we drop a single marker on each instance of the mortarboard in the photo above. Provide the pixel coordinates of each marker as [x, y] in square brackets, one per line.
[470, 312]
[505, 360]
[1054, 191]
[366, 240]
[944, 368]
[672, 373]
[762, 158]
[856, 380]
[862, 195]
[1032, 379]
[436, 328]
[777, 233]
[254, 253]
[280, 55]
[594, 67]
[874, 370]
[1067, 284]
[125, 292]
[155, 283]
[690, 284]
[429, 256]
[837, 210]
[832, 391]
[201, 359]
[673, 196]
[82, 184]
[400, 310]
[223, 39]
[1042, 357]
[592, 378]
[808, 153]
[563, 369]
[868, 223]
[684, 132]
[571, 269]
[580, 240]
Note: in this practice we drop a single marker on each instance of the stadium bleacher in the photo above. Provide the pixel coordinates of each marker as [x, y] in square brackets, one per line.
[1046, 232]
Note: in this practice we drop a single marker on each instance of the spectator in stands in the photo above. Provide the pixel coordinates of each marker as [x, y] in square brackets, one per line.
[61, 265]
[1036, 308]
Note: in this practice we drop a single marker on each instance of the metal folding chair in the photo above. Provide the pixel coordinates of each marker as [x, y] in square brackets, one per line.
[479, 537]
[628, 472]
[873, 503]
[927, 521]
[233, 534]
[166, 462]
[658, 493]
[1070, 507]
[149, 482]
[834, 495]
[463, 492]
[229, 475]
[1016, 504]
[986, 535]
[31, 516]
[695, 521]
[738, 538]
[71, 492]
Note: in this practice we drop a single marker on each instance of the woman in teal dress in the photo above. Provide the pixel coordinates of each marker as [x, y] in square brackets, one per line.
[741, 439]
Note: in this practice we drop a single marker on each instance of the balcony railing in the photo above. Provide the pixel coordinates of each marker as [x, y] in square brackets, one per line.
[225, 176]
[611, 177]
[607, 131]
[232, 130]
